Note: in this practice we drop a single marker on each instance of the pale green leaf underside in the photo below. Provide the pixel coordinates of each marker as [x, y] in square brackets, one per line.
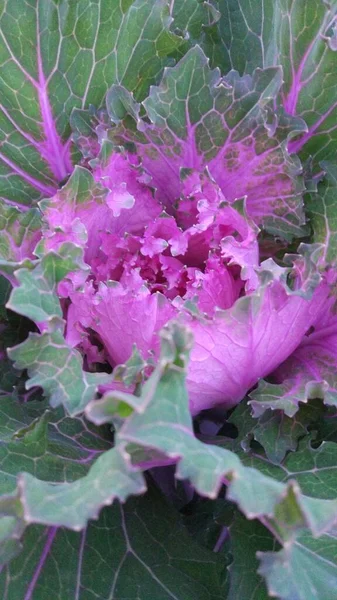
[307, 570]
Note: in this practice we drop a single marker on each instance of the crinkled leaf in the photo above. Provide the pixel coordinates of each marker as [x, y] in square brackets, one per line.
[288, 395]
[36, 296]
[19, 234]
[57, 56]
[85, 125]
[140, 551]
[58, 369]
[132, 371]
[312, 465]
[80, 189]
[111, 200]
[273, 429]
[314, 469]
[76, 210]
[50, 446]
[310, 372]
[279, 434]
[163, 422]
[321, 207]
[232, 351]
[72, 504]
[304, 570]
[197, 120]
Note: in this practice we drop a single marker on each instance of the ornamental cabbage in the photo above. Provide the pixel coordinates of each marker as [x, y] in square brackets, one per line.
[168, 243]
[198, 263]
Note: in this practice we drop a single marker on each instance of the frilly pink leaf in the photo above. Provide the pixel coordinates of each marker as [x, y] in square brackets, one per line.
[236, 348]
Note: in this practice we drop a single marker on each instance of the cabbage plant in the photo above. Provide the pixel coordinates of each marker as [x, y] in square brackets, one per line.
[168, 259]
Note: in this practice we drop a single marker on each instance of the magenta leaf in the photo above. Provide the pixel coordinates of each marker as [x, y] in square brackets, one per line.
[197, 120]
[247, 342]
[314, 360]
[309, 372]
[113, 200]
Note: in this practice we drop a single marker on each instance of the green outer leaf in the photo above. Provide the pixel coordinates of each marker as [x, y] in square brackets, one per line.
[314, 469]
[139, 551]
[50, 446]
[301, 37]
[161, 421]
[72, 504]
[36, 296]
[288, 395]
[307, 53]
[273, 430]
[51, 363]
[59, 55]
[279, 434]
[194, 16]
[56, 367]
[12, 527]
[303, 570]
[243, 37]
[321, 206]
[247, 537]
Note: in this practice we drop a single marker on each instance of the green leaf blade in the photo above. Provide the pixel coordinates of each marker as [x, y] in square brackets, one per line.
[61, 56]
